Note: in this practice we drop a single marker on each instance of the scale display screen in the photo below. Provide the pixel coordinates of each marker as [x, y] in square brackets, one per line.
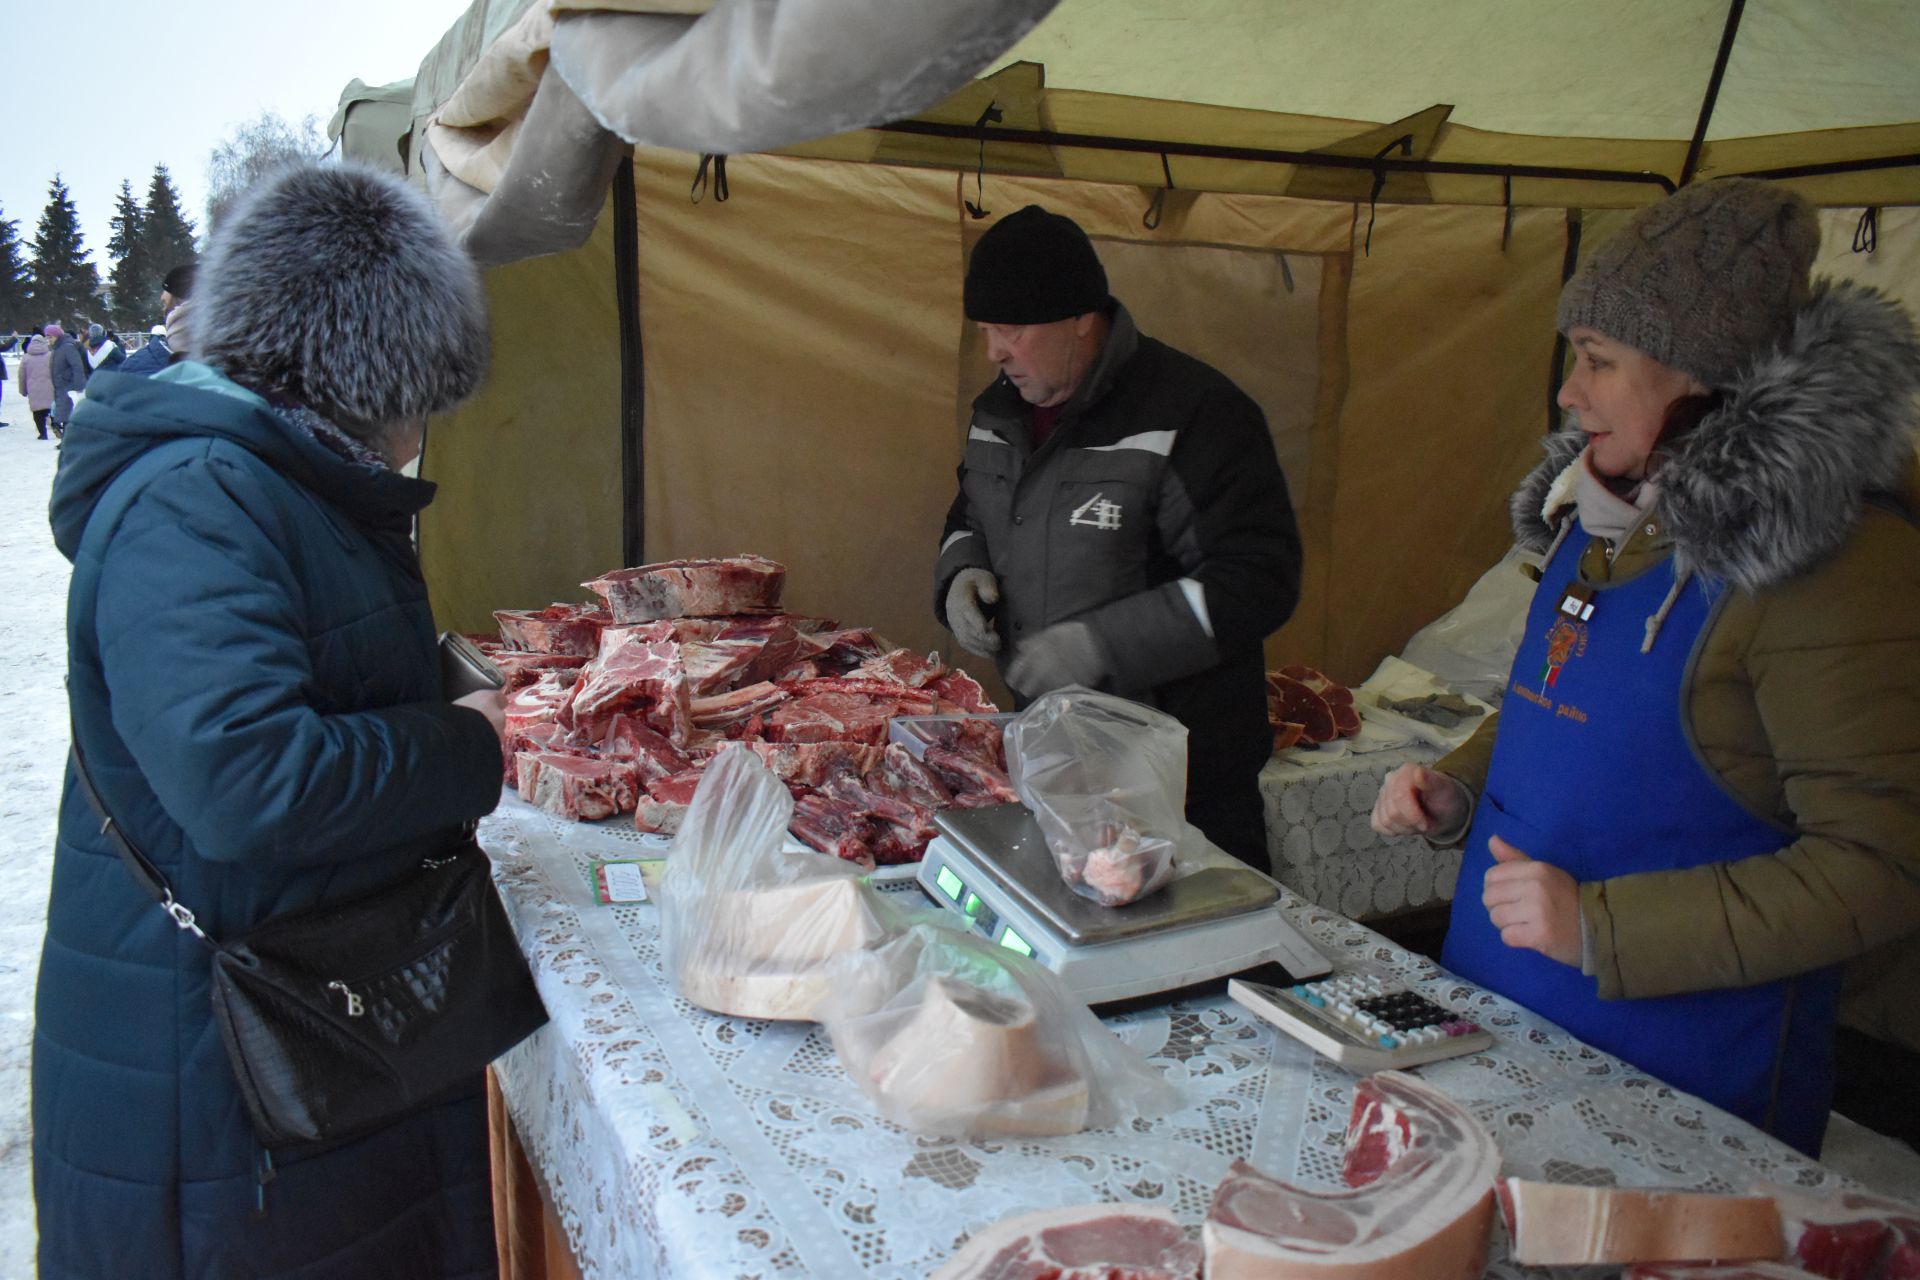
[1014, 942]
[950, 884]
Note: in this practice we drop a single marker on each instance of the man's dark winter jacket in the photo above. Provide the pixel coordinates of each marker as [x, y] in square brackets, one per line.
[1155, 512]
[259, 700]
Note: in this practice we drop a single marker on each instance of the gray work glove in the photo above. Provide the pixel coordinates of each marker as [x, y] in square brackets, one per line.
[1065, 653]
[966, 594]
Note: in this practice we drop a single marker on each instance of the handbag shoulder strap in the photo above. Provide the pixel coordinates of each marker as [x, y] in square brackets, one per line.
[82, 597]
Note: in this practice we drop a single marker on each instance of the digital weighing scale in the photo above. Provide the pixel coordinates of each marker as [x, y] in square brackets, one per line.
[1217, 916]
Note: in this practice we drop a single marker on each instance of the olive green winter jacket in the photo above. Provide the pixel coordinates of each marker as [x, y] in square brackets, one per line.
[1802, 697]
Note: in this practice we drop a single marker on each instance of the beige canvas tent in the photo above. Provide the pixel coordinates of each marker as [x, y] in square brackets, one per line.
[1361, 212]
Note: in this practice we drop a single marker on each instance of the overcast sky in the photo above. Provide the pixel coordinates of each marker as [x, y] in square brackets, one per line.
[101, 93]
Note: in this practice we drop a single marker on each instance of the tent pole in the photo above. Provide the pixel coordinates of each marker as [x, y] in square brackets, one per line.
[1569, 263]
[626, 292]
[1267, 155]
[1834, 166]
[1727, 34]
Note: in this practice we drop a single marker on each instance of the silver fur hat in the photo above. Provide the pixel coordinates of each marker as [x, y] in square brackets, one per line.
[1705, 282]
[340, 287]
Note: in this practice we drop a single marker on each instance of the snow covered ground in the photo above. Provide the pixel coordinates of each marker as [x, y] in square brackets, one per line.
[33, 751]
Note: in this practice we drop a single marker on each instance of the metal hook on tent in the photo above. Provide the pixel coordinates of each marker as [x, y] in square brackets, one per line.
[991, 115]
[698, 190]
[1506, 228]
[1405, 143]
[1286, 273]
[1157, 206]
[1866, 235]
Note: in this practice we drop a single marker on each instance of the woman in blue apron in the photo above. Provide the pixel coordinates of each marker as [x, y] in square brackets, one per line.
[1701, 797]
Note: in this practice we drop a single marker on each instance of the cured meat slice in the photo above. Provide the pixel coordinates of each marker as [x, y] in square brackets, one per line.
[722, 709]
[1087, 1242]
[1718, 1271]
[579, 787]
[902, 666]
[969, 777]
[1423, 1171]
[1550, 1224]
[558, 628]
[808, 764]
[834, 827]
[1293, 702]
[691, 588]
[1850, 1235]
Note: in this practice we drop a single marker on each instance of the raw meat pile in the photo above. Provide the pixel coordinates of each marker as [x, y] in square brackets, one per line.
[617, 709]
[1305, 706]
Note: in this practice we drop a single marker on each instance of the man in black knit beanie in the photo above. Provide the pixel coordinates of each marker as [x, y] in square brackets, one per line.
[1122, 521]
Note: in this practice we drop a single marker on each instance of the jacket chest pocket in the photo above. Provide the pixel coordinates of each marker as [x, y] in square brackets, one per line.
[1100, 530]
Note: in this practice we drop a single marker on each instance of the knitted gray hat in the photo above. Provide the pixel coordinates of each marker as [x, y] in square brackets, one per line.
[340, 287]
[1704, 281]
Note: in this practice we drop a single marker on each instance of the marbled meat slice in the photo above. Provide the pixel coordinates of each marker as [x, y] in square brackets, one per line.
[1290, 701]
[902, 666]
[1086, 1242]
[579, 787]
[1849, 1235]
[970, 777]
[1422, 1169]
[1554, 1224]
[833, 826]
[719, 710]
[558, 628]
[691, 588]
[809, 764]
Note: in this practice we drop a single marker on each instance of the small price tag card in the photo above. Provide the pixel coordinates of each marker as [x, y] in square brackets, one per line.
[626, 879]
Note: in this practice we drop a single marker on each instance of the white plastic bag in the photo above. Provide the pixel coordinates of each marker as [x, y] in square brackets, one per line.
[1107, 781]
[1470, 647]
[749, 929]
[949, 1034]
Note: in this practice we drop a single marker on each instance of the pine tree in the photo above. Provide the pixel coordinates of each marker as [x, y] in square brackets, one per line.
[16, 315]
[66, 287]
[133, 284]
[168, 233]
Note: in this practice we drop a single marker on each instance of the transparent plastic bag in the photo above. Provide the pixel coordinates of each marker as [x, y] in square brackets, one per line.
[751, 929]
[949, 1034]
[1107, 781]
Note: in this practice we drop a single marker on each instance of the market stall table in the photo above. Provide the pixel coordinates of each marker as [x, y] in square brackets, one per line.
[673, 1142]
[1318, 803]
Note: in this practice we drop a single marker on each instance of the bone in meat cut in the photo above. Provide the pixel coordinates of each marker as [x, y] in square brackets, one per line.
[1085, 1242]
[1422, 1169]
[691, 588]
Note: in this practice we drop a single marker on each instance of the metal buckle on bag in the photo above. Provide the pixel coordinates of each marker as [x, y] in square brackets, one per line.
[182, 916]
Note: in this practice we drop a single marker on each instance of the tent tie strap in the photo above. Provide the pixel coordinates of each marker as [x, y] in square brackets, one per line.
[718, 164]
[977, 207]
[1866, 234]
[1156, 207]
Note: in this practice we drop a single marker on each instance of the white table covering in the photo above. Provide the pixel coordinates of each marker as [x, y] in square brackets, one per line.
[674, 1142]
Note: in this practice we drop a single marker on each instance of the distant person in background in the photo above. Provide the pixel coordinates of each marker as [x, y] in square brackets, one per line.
[70, 373]
[152, 358]
[176, 293]
[36, 382]
[102, 351]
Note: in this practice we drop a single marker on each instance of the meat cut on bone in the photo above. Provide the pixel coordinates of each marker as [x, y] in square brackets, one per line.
[691, 588]
[1421, 1170]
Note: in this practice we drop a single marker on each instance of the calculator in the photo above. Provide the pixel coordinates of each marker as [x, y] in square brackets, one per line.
[1362, 1022]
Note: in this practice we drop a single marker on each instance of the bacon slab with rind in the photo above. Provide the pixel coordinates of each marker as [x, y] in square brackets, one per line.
[1557, 1225]
[1085, 1242]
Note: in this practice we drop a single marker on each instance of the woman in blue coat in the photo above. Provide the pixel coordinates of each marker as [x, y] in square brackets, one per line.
[253, 675]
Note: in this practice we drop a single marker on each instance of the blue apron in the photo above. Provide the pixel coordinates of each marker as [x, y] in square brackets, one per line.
[1593, 772]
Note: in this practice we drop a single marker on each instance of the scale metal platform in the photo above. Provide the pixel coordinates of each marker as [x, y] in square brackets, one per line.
[1216, 917]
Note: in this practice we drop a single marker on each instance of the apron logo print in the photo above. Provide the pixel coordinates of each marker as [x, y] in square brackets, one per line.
[1096, 512]
[1566, 639]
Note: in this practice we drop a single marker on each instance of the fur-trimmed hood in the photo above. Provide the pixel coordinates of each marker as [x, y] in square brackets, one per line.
[1776, 479]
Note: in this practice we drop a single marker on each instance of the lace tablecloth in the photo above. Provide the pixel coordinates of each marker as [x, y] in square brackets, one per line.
[674, 1142]
[1324, 848]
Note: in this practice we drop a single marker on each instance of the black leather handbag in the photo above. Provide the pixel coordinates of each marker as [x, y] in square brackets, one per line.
[342, 1018]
